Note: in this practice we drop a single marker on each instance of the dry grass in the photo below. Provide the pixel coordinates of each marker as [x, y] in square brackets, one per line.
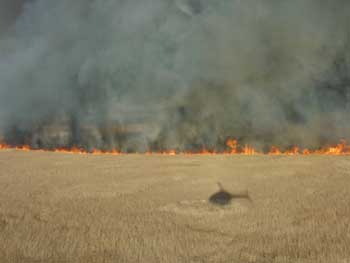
[71, 208]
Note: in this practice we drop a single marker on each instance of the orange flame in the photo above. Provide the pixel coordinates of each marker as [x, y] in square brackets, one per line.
[248, 150]
[232, 144]
[274, 151]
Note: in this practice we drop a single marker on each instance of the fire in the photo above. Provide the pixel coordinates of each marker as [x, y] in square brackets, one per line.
[306, 152]
[23, 148]
[4, 146]
[293, 151]
[274, 151]
[248, 150]
[339, 149]
[232, 144]
[233, 148]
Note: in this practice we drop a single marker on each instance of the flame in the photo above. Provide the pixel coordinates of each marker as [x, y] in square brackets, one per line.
[306, 152]
[293, 151]
[233, 148]
[274, 151]
[248, 150]
[232, 144]
[340, 149]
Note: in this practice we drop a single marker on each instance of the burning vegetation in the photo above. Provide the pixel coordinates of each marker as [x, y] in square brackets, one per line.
[232, 148]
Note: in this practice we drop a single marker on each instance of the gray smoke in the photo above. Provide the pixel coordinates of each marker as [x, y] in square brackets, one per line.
[183, 74]
[9, 10]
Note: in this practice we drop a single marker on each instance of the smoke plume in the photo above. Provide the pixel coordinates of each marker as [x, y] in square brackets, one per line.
[180, 74]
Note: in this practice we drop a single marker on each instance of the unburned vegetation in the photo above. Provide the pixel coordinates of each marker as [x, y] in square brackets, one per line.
[57, 207]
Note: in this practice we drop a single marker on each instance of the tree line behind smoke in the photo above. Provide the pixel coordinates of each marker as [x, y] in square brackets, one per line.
[183, 74]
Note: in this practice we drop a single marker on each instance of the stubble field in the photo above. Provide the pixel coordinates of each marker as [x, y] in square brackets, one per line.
[57, 207]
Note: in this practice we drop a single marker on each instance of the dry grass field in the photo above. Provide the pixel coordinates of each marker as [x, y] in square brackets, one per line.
[82, 208]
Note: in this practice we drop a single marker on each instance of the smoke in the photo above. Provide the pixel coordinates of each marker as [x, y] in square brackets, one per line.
[183, 74]
[9, 10]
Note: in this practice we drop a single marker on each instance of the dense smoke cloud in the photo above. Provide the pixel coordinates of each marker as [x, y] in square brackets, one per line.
[9, 10]
[182, 74]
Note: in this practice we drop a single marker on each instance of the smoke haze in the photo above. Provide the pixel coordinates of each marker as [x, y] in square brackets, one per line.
[181, 74]
[9, 10]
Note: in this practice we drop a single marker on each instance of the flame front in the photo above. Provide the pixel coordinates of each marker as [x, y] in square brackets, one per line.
[232, 146]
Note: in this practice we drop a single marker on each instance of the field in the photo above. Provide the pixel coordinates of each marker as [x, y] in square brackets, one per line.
[57, 207]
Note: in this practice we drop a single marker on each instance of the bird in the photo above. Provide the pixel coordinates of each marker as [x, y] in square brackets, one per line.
[223, 197]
